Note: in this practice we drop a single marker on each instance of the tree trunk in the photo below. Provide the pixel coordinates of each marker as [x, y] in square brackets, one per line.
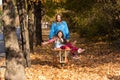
[23, 18]
[31, 26]
[37, 12]
[14, 57]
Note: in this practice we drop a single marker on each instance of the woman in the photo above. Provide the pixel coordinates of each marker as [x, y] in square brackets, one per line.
[59, 24]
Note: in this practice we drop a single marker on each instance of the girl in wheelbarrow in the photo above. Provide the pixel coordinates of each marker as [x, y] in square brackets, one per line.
[61, 43]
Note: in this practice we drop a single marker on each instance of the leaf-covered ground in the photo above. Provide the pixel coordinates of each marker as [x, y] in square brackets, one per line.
[100, 61]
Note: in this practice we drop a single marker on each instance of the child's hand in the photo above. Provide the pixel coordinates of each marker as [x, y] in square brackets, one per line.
[44, 43]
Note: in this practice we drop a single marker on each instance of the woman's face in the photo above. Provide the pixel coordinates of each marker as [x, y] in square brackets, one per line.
[60, 34]
[58, 18]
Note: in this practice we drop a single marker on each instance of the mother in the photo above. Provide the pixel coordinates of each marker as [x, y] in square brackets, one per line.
[59, 24]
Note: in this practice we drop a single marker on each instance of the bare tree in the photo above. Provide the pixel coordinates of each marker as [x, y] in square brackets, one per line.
[31, 24]
[37, 12]
[14, 57]
[23, 18]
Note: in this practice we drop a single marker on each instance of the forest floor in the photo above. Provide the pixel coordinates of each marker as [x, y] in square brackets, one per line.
[100, 61]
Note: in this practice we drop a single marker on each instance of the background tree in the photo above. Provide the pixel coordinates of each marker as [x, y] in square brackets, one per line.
[35, 16]
[23, 18]
[31, 25]
[14, 57]
[38, 29]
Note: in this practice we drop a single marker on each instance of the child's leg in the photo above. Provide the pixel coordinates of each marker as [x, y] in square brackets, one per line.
[73, 48]
[65, 47]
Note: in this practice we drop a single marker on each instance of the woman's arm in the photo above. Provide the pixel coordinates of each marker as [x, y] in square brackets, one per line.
[67, 33]
[52, 31]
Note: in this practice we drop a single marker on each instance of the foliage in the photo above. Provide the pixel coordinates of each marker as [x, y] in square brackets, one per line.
[94, 20]
[52, 7]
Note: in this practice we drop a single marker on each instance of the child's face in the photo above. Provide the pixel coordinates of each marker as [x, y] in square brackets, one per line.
[60, 34]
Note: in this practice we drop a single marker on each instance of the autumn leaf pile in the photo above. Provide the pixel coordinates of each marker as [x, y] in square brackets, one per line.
[100, 61]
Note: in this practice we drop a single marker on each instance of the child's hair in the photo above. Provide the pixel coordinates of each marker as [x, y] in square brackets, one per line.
[58, 33]
[64, 40]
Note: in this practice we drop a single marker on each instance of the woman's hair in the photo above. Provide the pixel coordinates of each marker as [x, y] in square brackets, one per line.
[58, 15]
[64, 40]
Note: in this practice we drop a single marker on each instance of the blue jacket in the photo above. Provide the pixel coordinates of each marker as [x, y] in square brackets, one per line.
[59, 26]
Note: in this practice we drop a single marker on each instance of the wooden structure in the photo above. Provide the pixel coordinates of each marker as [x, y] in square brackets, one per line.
[61, 56]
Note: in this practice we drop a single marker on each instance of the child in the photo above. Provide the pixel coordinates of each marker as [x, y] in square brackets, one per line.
[61, 43]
